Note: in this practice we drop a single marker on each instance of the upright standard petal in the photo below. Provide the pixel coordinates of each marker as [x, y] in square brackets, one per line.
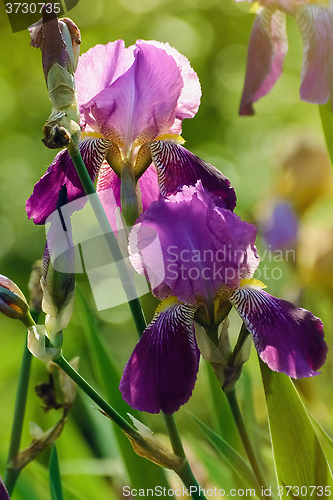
[189, 99]
[141, 103]
[205, 249]
[316, 26]
[99, 67]
[289, 339]
[161, 373]
[43, 200]
[176, 167]
[267, 50]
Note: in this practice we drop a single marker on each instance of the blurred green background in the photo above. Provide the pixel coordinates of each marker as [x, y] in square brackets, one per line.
[277, 154]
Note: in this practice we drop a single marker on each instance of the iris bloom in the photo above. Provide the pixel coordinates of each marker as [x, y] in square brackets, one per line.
[129, 99]
[209, 259]
[268, 47]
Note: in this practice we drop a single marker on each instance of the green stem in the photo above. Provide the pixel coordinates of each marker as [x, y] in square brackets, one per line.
[11, 475]
[83, 384]
[125, 277]
[233, 403]
[243, 334]
[186, 474]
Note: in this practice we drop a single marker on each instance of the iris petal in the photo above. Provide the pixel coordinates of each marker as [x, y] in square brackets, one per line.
[289, 339]
[161, 373]
[43, 200]
[267, 50]
[176, 167]
[315, 24]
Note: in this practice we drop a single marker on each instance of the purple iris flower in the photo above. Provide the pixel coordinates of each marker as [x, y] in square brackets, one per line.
[269, 45]
[209, 258]
[132, 102]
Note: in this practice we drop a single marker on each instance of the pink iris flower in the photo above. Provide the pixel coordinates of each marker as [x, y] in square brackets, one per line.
[268, 47]
[128, 98]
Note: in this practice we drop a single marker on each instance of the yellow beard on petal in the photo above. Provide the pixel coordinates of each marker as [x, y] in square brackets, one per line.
[166, 304]
[178, 139]
[252, 283]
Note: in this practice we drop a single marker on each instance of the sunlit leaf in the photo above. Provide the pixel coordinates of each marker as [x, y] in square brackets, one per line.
[55, 480]
[298, 455]
[230, 456]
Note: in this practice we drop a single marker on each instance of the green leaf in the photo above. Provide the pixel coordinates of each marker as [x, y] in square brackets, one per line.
[298, 455]
[326, 116]
[231, 457]
[55, 480]
[142, 473]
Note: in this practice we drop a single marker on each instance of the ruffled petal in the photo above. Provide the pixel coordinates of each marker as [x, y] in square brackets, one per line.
[161, 373]
[202, 249]
[100, 67]
[176, 167]
[141, 103]
[189, 99]
[43, 200]
[315, 23]
[289, 339]
[267, 50]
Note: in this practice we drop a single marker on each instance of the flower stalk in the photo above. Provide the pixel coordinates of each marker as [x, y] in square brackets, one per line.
[11, 475]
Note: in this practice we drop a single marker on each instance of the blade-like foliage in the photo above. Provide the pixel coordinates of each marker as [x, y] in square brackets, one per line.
[230, 456]
[301, 466]
[55, 480]
[326, 116]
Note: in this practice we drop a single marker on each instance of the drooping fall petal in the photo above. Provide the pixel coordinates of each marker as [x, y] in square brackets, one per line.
[267, 50]
[43, 200]
[176, 167]
[289, 339]
[315, 23]
[161, 373]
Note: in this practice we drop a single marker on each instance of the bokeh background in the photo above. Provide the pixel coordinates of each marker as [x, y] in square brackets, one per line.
[276, 162]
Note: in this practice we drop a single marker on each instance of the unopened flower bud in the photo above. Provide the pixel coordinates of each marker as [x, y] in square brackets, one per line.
[58, 279]
[59, 41]
[36, 292]
[12, 301]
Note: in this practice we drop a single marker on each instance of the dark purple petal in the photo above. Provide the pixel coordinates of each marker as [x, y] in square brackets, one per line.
[203, 248]
[141, 103]
[289, 339]
[3, 491]
[267, 49]
[176, 167]
[161, 373]
[43, 200]
[315, 24]
[280, 231]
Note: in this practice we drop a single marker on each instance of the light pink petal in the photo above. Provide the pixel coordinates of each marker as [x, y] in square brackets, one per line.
[267, 50]
[100, 67]
[316, 26]
[142, 103]
[189, 100]
[149, 187]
